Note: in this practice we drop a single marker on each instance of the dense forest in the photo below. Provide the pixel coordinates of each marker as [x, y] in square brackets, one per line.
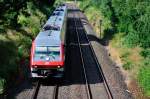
[125, 25]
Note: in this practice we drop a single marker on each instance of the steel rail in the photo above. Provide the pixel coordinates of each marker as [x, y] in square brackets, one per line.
[98, 65]
[35, 93]
[88, 90]
[55, 94]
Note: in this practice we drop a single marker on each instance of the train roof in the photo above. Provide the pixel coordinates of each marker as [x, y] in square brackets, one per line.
[57, 18]
[51, 34]
[48, 38]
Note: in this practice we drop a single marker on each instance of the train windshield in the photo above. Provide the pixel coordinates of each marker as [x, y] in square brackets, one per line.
[47, 51]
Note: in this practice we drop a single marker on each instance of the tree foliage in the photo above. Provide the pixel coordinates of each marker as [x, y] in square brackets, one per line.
[134, 19]
[20, 22]
[130, 17]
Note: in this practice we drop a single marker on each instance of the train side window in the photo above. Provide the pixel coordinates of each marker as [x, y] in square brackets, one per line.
[49, 27]
[59, 10]
[53, 14]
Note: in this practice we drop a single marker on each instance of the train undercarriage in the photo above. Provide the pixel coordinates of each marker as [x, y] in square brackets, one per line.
[47, 72]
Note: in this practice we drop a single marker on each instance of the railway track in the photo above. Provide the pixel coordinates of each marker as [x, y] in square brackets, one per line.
[36, 90]
[88, 90]
[55, 94]
[84, 45]
[42, 91]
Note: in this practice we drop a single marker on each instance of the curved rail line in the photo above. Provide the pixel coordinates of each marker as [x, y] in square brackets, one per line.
[97, 64]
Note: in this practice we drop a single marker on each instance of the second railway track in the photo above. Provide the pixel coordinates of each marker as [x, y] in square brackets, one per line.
[97, 86]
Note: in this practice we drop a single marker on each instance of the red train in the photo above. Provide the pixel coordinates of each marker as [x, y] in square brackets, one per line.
[48, 51]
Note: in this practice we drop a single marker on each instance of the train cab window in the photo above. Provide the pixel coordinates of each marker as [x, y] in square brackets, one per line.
[54, 50]
[47, 51]
[40, 51]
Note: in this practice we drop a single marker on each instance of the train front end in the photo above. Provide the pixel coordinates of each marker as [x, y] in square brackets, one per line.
[48, 51]
[47, 61]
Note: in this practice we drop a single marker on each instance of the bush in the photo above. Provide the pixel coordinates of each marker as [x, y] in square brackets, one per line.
[2, 84]
[128, 65]
[145, 53]
[24, 46]
[8, 60]
[131, 40]
[125, 55]
[23, 20]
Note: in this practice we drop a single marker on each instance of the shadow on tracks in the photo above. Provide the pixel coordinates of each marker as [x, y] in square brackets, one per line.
[74, 70]
[108, 33]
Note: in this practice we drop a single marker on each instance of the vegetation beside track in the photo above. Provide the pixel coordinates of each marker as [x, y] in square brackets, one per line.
[125, 25]
[20, 22]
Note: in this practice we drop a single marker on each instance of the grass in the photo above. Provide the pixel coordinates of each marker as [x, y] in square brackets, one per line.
[144, 77]
[130, 57]
[144, 72]
[135, 61]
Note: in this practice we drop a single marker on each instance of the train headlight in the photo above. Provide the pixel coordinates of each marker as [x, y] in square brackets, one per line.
[34, 69]
[61, 69]
[58, 66]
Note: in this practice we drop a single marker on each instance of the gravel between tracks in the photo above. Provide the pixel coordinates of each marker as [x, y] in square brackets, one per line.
[46, 92]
